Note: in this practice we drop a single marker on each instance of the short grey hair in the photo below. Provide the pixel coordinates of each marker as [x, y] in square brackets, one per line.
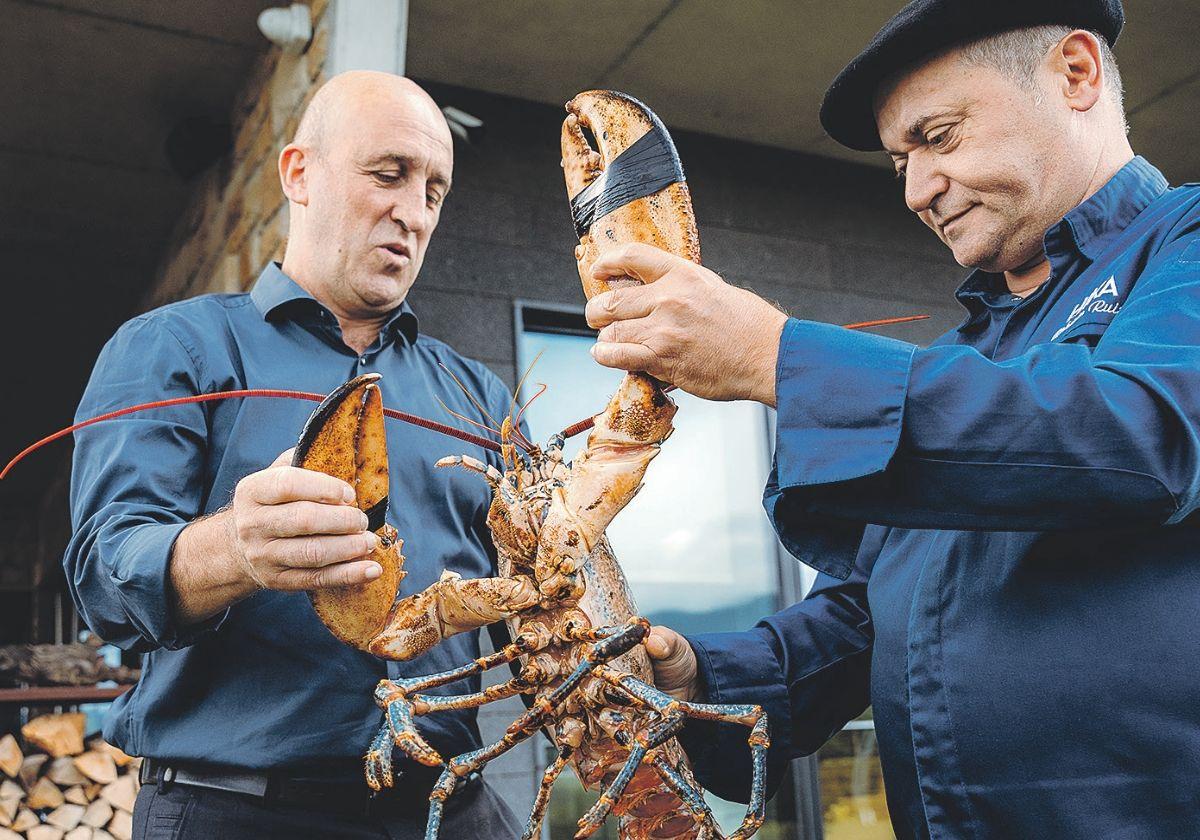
[1018, 52]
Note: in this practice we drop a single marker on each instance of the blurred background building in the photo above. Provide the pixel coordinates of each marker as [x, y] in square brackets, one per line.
[137, 166]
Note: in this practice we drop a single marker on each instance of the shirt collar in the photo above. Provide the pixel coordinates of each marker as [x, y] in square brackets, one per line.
[1087, 230]
[276, 295]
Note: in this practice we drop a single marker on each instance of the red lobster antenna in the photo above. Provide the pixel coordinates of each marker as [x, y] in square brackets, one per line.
[250, 392]
[570, 431]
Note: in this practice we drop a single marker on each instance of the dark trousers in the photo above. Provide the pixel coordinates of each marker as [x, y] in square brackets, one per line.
[182, 812]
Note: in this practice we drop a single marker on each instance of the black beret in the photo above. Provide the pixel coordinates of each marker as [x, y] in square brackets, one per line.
[925, 27]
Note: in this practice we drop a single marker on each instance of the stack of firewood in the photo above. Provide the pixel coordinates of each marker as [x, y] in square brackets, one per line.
[63, 789]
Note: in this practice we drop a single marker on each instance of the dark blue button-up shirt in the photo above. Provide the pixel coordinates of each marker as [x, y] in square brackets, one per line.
[264, 684]
[1021, 609]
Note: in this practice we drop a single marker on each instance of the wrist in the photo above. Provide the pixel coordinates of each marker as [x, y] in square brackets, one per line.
[766, 361]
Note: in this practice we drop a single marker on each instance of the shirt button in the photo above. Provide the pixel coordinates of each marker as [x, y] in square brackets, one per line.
[363, 360]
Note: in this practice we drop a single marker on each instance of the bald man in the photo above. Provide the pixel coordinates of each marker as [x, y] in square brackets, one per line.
[195, 541]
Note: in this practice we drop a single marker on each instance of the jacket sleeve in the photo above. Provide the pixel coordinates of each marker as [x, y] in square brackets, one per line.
[135, 484]
[876, 430]
[808, 666]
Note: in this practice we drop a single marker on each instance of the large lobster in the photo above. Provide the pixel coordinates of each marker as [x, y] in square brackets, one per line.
[577, 640]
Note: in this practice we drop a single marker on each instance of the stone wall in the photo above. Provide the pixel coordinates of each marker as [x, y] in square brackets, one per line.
[236, 219]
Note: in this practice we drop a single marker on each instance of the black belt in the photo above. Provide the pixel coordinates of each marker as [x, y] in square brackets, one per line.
[338, 794]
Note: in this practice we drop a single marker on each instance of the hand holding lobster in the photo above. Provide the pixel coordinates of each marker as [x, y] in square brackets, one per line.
[686, 326]
[287, 529]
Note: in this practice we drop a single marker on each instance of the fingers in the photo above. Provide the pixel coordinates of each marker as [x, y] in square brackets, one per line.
[620, 305]
[645, 262]
[341, 574]
[318, 552]
[629, 357]
[296, 519]
[280, 484]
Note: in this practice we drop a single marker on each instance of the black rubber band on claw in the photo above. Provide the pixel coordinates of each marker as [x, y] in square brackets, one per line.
[649, 165]
[376, 516]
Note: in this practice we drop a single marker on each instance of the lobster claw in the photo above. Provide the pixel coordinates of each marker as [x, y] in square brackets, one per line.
[630, 189]
[345, 437]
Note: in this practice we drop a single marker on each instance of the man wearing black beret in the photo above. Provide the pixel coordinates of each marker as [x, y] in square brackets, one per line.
[1003, 521]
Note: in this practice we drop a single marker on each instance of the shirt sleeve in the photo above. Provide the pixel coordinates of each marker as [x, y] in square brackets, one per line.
[1061, 437]
[134, 486]
[808, 667]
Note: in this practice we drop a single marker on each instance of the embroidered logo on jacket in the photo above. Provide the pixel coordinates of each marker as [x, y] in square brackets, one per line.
[1104, 298]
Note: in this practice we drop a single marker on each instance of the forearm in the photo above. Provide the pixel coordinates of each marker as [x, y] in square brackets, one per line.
[206, 574]
[874, 430]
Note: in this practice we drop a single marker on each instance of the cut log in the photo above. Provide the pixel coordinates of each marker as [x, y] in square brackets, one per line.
[44, 832]
[31, 768]
[97, 766]
[10, 789]
[91, 791]
[58, 735]
[25, 820]
[80, 833]
[74, 664]
[66, 817]
[97, 814]
[8, 810]
[5, 834]
[64, 773]
[10, 756]
[121, 826]
[119, 757]
[121, 794]
[44, 794]
[101, 834]
[75, 795]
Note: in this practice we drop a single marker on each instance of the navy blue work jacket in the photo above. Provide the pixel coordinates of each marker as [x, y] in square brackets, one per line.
[263, 684]
[1021, 609]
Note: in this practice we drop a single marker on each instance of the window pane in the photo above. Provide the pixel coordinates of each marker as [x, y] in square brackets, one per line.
[852, 799]
[695, 543]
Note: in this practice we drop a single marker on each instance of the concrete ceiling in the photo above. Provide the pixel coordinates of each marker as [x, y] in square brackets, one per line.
[90, 90]
[757, 70]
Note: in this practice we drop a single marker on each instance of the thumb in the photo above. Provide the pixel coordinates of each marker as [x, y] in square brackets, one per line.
[284, 459]
[663, 643]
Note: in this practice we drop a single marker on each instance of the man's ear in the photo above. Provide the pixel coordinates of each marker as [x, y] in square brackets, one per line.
[1078, 69]
[293, 173]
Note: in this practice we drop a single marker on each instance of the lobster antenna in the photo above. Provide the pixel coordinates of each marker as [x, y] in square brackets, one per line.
[517, 391]
[471, 397]
[466, 419]
[542, 387]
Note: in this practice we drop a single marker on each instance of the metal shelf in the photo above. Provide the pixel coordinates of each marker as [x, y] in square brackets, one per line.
[60, 694]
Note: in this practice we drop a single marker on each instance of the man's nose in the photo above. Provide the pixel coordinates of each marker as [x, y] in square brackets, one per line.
[409, 208]
[923, 183]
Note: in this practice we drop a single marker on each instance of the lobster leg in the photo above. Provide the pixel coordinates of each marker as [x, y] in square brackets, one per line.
[685, 791]
[759, 740]
[534, 827]
[644, 743]
[401, 705]
[751, 716]
[544, 711]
